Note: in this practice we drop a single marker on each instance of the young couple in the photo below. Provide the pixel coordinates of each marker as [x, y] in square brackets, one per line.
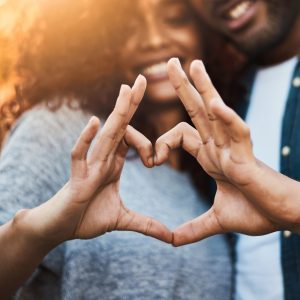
[75, 69]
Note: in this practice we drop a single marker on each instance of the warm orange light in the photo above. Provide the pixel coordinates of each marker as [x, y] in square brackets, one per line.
[2, 2]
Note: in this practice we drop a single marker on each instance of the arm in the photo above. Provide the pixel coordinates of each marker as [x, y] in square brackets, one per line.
[89, 204]
[251, 198]
[21, 253]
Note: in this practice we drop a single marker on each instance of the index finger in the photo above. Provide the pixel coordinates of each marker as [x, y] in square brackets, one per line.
[208, 93]
[190, 98]
[137, 93]
[117, 120]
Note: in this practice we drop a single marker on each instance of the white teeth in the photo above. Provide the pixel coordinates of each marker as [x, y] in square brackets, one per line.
[155, 69]
[239, 10]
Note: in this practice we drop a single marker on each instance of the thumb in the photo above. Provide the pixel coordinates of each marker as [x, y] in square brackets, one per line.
[202, 227]
[133, 221]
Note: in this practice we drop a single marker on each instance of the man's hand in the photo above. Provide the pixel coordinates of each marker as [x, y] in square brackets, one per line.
[251, 198]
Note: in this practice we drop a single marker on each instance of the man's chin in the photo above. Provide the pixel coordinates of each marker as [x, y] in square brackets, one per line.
[257, 44]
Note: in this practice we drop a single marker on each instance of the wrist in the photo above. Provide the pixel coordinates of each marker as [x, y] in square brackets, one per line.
[25, 226]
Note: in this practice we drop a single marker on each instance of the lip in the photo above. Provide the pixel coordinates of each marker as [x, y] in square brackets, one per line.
[160, 75]
[242, 21]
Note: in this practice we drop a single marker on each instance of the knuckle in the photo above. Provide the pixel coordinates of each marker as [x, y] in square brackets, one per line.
[149, 225]
[74, 154]
[121, 113]
[211, 117]
[111, 134]
[185, 81]
[117, 114]
[194, 112]
[160, 140]
[246, 132]
[148, 145]
[182, 126]
[144, 149]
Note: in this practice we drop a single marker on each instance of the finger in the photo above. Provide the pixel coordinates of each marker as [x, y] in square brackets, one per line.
[208, 93]
[190, 99]
[138, 91]
[198, 229]
[139, 142]
[82, 146]
[132, 221]
[240, 139]
[182, 135]
[117, 121]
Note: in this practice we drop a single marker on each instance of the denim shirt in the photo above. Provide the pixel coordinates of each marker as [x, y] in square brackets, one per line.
[289, 166]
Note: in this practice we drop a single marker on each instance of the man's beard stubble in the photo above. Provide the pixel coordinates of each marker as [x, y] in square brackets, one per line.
[281, 19]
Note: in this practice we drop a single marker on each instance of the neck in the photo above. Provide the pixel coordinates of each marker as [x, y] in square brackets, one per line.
[287, 49]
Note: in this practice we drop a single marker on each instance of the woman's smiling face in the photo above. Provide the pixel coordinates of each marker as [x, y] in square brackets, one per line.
[161, 29]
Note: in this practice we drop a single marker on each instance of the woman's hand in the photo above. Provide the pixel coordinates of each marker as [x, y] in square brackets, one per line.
[250, 198]
[90, 204]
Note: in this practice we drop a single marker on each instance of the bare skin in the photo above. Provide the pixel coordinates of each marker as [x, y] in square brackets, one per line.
[89, 205]
[251, 198]
[162, 29]
[274, 25]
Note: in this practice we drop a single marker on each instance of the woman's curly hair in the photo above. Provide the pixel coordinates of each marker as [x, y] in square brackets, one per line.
[68, 54]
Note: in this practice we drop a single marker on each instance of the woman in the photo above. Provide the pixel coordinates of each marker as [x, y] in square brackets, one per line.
[35, 163]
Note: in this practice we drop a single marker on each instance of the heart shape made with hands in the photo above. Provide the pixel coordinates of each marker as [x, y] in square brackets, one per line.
[96, 172]
[220, 142]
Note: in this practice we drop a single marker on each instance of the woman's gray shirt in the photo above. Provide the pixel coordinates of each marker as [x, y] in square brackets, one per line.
[35, 164]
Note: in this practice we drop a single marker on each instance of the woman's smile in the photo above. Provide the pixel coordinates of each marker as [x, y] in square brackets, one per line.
[162, 30]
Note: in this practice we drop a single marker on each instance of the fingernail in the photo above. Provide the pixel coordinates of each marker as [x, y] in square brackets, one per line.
[93, 119]
[140, 76]
[155, 160]
[125, 89]
[150, 161]
[122, 88]
[177, 62]
[199, 64]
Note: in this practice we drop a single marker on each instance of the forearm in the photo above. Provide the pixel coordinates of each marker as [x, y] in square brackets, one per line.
[21, 252]
[276, 195]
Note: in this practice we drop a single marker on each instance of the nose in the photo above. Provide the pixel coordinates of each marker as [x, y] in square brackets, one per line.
[152, 35]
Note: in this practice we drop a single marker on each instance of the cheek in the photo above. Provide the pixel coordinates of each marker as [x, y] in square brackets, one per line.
[124, 62]
[191, 43]
[127, 51]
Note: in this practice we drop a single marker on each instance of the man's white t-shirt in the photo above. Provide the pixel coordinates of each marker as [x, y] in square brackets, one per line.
[258, 265]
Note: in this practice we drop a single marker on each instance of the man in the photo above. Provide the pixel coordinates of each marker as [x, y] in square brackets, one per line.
[268, 31]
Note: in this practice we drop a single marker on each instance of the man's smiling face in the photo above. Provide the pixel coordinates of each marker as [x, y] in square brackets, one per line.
[254, 26]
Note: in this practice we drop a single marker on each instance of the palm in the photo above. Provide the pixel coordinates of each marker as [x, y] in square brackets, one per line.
[102, 213]
[221, 144]
[105, 210]
[90, 204]
[235, 213]
[232, 209]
